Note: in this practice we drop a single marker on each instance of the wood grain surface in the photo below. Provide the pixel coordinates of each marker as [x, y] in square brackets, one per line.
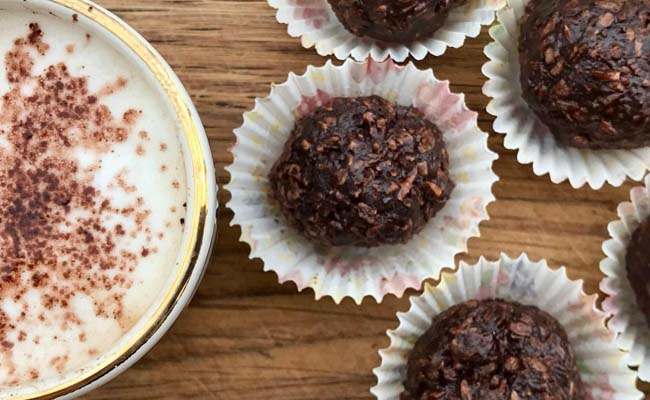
[245, 336]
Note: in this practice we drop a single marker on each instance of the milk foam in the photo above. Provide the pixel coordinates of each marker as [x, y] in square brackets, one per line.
[49, 345]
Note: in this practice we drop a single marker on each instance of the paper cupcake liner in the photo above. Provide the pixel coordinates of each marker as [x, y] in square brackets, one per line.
[317, 26]
[601, 364]
[627, 320]
[531, 137]
[351, 271]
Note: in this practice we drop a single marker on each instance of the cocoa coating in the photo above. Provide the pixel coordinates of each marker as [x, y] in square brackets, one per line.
[637, 263]
[362, 172]
[402, 21]
[585, 70]
[493, 350]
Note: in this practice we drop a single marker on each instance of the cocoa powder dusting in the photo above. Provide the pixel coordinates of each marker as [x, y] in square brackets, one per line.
[53, 221]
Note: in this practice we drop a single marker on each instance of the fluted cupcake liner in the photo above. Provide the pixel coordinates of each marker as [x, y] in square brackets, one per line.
[600, 362]
[355, 272]
[627, 320]
[317, 26]
[527, 134]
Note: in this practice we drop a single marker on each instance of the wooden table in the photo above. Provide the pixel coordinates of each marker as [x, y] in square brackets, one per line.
[244, 335]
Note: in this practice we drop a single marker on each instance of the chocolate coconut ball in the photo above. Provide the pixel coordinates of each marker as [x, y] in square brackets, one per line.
[585, 70]
[403, 21]
[362, 172]
[493, 350]
[637, 263]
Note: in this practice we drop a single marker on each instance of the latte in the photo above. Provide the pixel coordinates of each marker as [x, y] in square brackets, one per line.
[93, 195]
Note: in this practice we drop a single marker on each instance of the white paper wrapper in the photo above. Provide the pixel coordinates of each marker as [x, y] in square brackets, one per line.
[599, 360]
[317, 26]
[350, 271]
[627, 320]
[527, 134]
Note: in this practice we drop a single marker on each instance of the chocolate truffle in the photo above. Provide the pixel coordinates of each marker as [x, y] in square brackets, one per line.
[362, 172]
[585, 70]
[403, 21]
[494, 350]
[637, 263]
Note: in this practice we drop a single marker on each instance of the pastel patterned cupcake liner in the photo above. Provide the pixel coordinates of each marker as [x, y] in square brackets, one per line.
[317, 26]
[601, 364]
[627, 320]
[527, 134]
[351, 271]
